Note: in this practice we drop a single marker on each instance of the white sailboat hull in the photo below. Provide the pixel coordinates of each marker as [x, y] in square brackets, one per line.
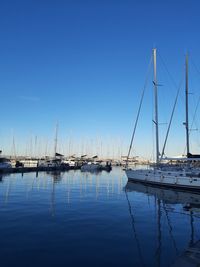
[165, 178]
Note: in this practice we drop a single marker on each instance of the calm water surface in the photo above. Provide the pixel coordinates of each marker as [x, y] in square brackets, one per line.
[83, 219]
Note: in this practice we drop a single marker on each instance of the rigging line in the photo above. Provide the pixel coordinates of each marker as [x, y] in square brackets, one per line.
[195, 112]
[167, 70]
[175, 85]
[134, 229]
[170, 122]
[138, 113]
[198, 98]
[198, 71]
[170, 228]
[195, 66]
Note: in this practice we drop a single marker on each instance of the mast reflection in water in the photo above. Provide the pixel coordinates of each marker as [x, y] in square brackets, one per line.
[93, 219]
[170, 206]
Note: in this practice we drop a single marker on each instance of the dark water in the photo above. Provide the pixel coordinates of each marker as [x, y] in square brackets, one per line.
[82, 219]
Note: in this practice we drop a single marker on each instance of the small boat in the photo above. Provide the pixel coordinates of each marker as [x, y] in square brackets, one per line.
[5, 163]
[70, 163]
[50, 163]
[91, 166]
[107, 166]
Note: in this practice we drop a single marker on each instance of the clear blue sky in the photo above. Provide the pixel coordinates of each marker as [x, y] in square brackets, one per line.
[83, 63]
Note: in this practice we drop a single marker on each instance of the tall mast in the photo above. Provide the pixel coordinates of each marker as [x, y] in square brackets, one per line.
[56, 140]
[186, 105]
[14, 148]
[156, 105]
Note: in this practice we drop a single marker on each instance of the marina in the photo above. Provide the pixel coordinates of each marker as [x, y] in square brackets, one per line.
[99, 133]
[56, 163]
[96, 208]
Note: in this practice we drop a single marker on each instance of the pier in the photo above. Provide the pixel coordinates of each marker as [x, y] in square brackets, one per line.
[38, 169]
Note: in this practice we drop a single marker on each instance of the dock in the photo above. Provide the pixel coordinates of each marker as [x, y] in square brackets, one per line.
[37, 169]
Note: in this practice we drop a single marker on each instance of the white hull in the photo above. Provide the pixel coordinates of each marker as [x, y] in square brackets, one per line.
[70, 163]
[179, 179]
[53, 163]
[29, 162]
[48, 164]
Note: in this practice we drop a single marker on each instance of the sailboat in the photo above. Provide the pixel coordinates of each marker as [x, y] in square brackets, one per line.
[182, 177]
[93, 165]
[57, 160]
[5, 163]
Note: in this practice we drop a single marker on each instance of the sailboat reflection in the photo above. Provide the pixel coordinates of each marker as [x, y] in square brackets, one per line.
[189, 199]
[165, 199]
[56, 176]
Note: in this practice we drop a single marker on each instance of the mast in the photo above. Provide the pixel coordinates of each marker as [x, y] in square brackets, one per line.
[156, 105]
[186, 106]
[56, 140]
[14, 148]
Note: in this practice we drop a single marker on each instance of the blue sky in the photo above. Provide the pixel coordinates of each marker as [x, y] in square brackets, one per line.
[83, 64]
